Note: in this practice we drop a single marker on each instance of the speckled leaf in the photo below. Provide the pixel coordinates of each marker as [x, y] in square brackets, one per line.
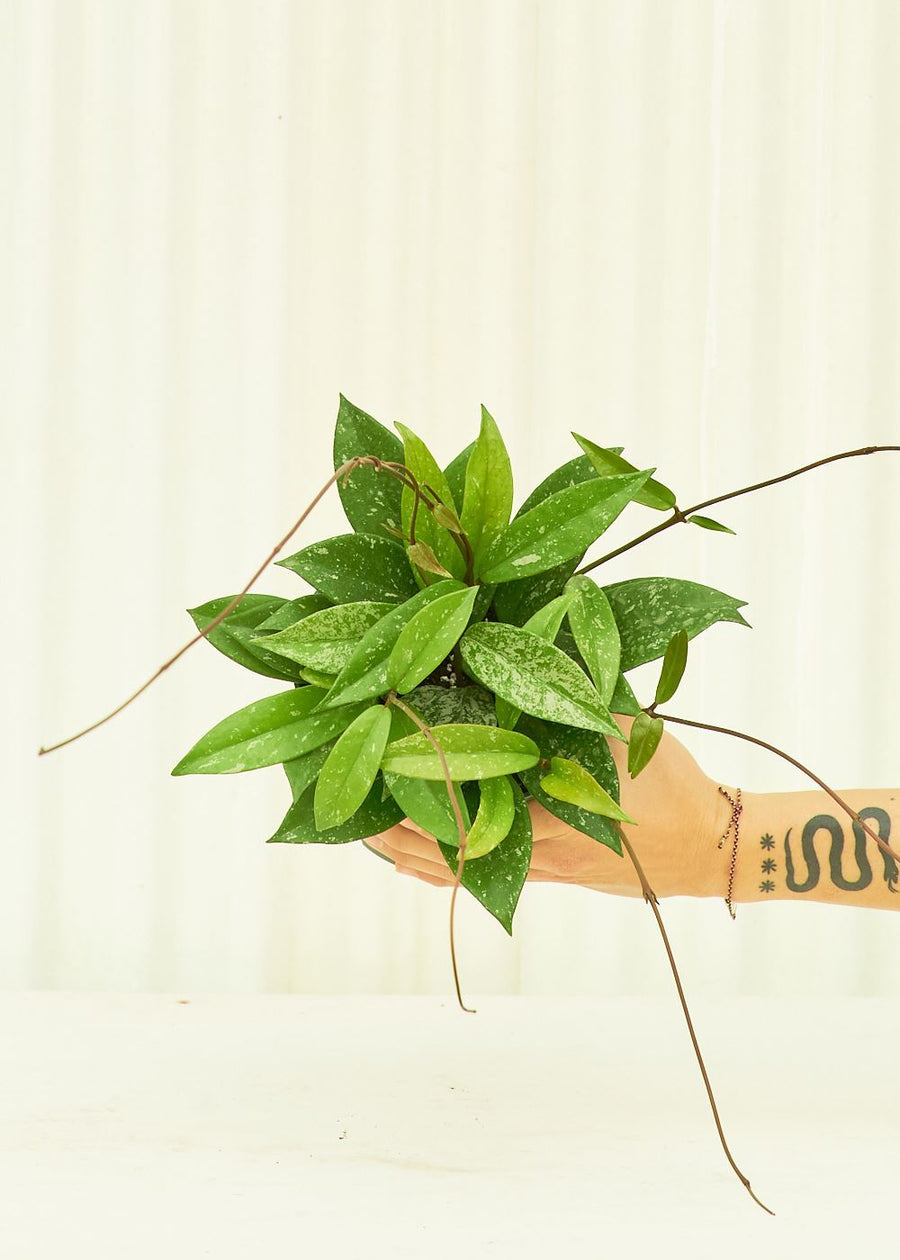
[648, 611]
[302, 771]
[488, 499]
[559, 528]
[596, 633]
[376, 814]
[674, 662]
[573, 785]
[623, 698]
[516, 602]
[471, 752]
[646, 732]
[316, 678]
[439, 706]
[326, 640]
[572, 473]
[534, 676]
[276, 728]
[496, 810]
[587, 749]
[606, 462]
[424, 802]
[365, 674]
[428, 637]
[422, 464]
[455, 473]
[355, 567]
[545, 624]
[707, 522]
[231, 635]
[371, 499]
[347, 776]
[292, 611]
[497, 879]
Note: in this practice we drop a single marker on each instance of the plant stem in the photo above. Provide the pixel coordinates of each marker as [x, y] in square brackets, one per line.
[344, 470]
[779, 752]
[679, 515]
[426, 730]
[651, 898]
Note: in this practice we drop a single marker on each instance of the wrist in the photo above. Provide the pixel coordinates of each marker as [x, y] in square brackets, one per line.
[712, 860]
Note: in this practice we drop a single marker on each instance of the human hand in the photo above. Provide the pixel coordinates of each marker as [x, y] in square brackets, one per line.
[677, 812]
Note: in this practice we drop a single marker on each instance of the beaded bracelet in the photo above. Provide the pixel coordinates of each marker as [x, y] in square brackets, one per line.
[733, 823]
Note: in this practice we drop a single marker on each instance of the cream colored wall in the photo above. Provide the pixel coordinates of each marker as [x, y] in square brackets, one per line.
[670, 225]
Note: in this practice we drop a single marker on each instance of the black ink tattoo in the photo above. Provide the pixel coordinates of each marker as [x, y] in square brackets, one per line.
[767, 842]
[826, 822]
[767, 886]
[769, 865]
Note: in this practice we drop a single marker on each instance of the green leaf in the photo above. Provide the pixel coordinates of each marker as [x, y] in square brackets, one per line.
[428, 637]
[534, 676]
[292, 611]
[596, 633]
[326, 640]
[455, 473]
[545, 624]
[302, 771]
[648, 611]
[347, 776]
[371, 499]
[572, 784]
[623, 698]
[572, 473]
[471, 752]
[489, 488]
[496, 810]
[276, 728]
[376, 814]
[673, 665]
[438, 706]
[707, 522]
[423, 558]
[606, 463]
[497, 879]
[646, 732]
[316, 678]
[517, 602]
[587, 749]
[422, 464]
[355, 567]
[366, 673]
[227, 637]
[424, 802]
[559, 528]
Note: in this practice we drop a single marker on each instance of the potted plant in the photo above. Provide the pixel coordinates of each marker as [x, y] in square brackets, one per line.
[451, 659]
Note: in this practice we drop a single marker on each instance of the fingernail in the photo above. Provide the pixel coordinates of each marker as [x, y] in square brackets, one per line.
[375, 844]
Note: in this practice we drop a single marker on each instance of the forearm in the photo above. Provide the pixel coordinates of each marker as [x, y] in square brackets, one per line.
[801, 846]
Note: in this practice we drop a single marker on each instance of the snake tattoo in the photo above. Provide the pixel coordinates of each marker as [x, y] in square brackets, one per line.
[825, 822]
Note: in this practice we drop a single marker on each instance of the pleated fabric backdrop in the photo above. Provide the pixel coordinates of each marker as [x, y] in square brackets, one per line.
[672, 226]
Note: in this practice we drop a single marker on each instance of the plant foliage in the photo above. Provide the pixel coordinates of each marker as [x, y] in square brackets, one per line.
[514, 662]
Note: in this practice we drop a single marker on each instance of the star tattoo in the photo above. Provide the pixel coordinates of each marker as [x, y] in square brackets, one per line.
[767, 842]
[769, 865]
[767, 886]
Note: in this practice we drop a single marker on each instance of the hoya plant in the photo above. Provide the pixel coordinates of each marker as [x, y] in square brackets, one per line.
[447, 658]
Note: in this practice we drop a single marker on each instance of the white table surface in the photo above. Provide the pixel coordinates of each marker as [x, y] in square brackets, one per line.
[189, 1126]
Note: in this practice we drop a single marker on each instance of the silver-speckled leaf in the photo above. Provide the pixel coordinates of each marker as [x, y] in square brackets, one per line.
[488, 488]
[439, 706]
[422, 464]
[429, 637]
[561, 527]
[471, 752]
[648, 611]
[366, 673]
[326, 640]
[347, 776]
[497, 879]
[232, 635]
[276, 728]
[589, 750]
[534, 676]
[653, 494]
[371, 499]
[570, 783]
[355, 567]
[376, 814]
[596, 633]
[496, 810]
[545, 624]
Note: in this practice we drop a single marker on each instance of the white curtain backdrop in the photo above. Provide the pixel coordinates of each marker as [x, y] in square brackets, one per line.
[670, 225]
